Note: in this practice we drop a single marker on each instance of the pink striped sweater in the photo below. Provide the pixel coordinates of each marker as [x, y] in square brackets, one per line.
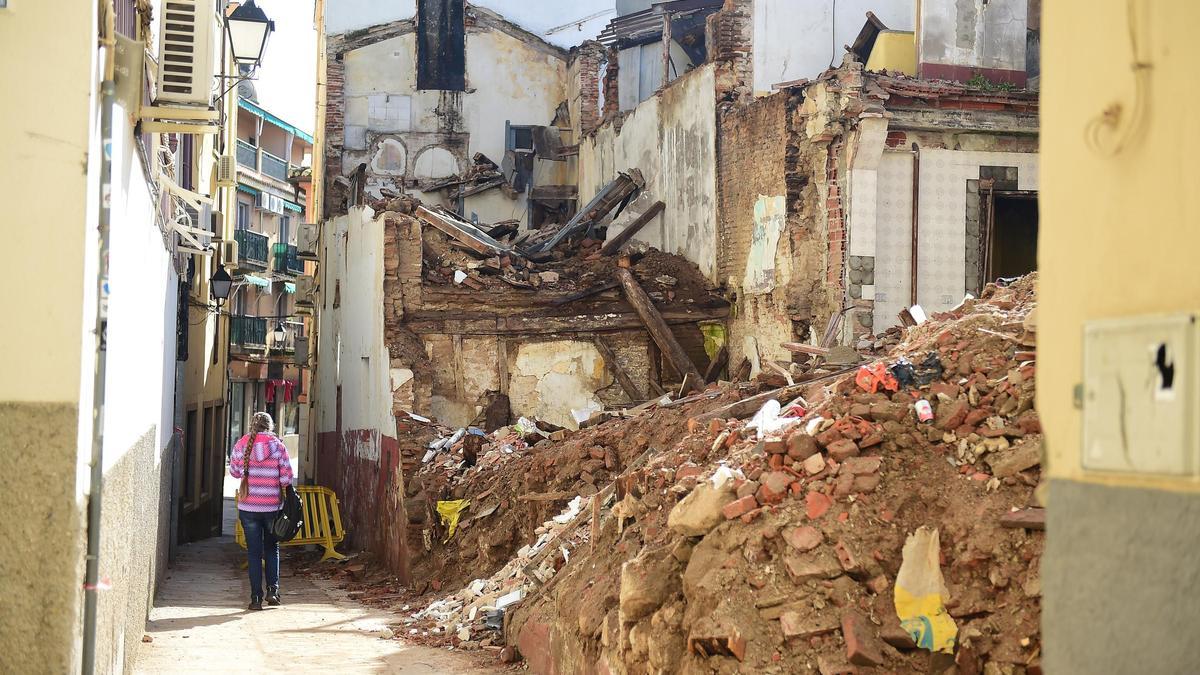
[270, 468]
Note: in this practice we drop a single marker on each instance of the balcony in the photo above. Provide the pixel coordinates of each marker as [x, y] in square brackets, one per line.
[252, 249]
[287, 259]
[275, 167]
[248, 331]
[247, 155]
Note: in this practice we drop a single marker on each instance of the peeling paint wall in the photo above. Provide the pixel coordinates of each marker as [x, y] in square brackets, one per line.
[959, 38]
[671, 138]
[794, 40]
[403, 133]
[551, 379]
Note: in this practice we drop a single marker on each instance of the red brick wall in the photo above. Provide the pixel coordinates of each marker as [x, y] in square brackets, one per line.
[588, 60]
[835, 216]
[730, 39]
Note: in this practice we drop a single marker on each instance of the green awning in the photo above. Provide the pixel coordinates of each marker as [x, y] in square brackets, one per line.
[289, 287]
[257, 281]
[262, 112]
[293, 206]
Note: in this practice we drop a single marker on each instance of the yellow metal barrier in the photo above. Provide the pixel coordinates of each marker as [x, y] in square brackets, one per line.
[322, 522]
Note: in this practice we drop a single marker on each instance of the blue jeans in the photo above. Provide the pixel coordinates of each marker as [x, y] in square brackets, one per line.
[261, 545]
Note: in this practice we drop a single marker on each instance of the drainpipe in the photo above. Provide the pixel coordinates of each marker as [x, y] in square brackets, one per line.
[916, 221]
[91, 579]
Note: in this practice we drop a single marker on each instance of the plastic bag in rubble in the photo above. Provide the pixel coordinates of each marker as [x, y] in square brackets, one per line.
[769, 420]
[450, 511]
[921, 594]
[524, 427]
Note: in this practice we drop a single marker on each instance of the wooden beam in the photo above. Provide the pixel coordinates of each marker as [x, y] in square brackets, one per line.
[587, 292]
[458, 323]
[178, 128]
[623, 377]
[749, 406]
[613, 245]
[659, 330]
[1029, 519]
[156, 112]
[717, 364]
[801, 348]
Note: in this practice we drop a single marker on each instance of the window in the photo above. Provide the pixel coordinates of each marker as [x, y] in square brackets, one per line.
[243, 216]
[441, 45]
[520, 138]
[285, 227]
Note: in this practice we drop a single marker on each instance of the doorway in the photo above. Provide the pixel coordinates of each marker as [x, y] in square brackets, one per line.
[1010, 233]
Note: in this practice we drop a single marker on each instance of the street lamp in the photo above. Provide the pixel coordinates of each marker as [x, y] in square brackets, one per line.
[248, 29]
[280, 334]
[220, 285]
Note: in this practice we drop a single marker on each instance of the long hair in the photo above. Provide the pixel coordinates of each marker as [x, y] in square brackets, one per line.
[260, 423]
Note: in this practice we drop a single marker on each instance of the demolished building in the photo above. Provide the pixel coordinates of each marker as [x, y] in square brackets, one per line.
[766, 222]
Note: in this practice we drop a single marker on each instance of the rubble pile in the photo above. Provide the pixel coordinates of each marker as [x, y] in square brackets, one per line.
[790, 535]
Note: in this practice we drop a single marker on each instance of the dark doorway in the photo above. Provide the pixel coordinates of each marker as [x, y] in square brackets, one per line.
[441, 45]
[1010, 233]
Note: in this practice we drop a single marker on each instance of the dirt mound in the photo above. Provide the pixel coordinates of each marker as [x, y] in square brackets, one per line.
[690, 539]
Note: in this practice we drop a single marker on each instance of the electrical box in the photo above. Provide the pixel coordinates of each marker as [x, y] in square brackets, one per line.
[1140, 389]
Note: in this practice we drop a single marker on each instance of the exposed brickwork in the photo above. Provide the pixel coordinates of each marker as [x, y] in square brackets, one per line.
[612, 104]
[835, 215]
[335, 116]
[586, 64]
[729, 39]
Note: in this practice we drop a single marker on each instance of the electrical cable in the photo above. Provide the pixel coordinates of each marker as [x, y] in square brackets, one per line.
[1109, 120]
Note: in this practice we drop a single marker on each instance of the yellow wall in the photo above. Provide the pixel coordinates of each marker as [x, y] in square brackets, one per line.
[1119, 233]
[894, 50]
[44, 146]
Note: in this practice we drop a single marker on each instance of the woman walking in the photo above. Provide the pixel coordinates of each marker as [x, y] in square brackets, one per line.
[261, 461]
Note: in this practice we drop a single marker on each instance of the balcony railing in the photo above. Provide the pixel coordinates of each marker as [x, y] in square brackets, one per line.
[274, 167]
[252, 247]
[287, 260]
[247, 155]
[248, 331]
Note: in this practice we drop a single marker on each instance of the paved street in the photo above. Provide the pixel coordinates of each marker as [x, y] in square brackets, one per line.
[200, 624]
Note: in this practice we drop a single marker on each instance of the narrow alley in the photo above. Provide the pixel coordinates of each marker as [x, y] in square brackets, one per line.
[200, 623]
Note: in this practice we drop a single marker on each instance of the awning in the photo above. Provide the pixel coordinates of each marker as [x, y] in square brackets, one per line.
[257, 281]
[289, 287]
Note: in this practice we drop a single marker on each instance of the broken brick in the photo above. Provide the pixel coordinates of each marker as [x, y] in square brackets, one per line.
[801, 446]
[816, 505]
[951, 414]
[775, 446]
[870, 440]
[687, 470]
[827, 437]
[842, 450]
[740, 507]
[715, 426]
[814, 465]
[888, 411]
[847, 559]
[976, 416]
[862, 465]
[828, 665]
[803, 538]
[808, 624]
[774, 487]
[866, 483]
[862, 648]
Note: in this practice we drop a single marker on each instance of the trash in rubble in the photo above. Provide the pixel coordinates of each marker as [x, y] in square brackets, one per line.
[525, 427]
[724, 474]
[570, 512]
[450, 512]
[770, 420]
[917, 312]
[585, 413]
[930, 369]
[904, 372]
[666, 280]
[495, 619]
[459, 276]
[419, 418]
[871, 378]
[509, 598]
[921, 593]
[816, 425]
[924, 411]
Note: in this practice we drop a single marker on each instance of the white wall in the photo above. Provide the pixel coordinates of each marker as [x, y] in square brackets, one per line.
[507, 80]
[352, 351]
[796, 39]
[974, 33]
[671, 138]
[565, 24]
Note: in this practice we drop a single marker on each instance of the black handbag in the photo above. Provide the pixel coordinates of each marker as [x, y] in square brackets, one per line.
[291, 517]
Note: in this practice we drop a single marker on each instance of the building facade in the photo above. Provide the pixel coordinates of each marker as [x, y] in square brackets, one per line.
[94, 385]
[270, 330]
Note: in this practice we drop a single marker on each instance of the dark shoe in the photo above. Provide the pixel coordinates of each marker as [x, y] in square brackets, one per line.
[273, 596]
[255, 604]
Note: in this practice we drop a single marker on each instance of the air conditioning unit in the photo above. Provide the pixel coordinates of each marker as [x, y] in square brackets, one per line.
[306, 291]
[185, 53]
[229, 252]
[308, 240]
[226, 171]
